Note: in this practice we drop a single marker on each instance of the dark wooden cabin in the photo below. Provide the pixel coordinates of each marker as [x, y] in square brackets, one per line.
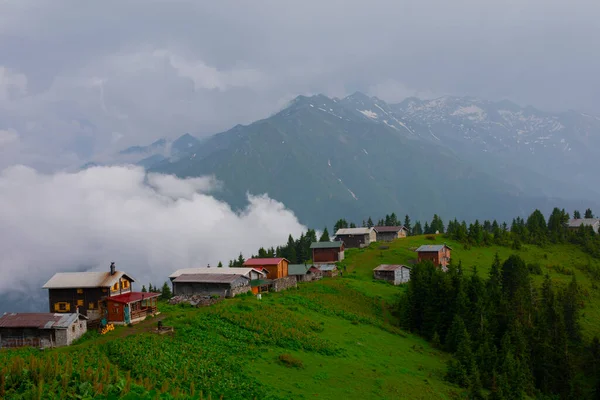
[327, 252]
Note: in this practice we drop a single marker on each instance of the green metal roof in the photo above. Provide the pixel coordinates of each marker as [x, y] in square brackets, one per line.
[326, 245]
[298, 269]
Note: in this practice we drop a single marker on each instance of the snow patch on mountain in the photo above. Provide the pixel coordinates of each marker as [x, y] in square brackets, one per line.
[368, 113]
[472, 112]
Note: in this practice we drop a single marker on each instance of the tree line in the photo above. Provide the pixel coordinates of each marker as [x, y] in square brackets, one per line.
[506, 334]
[533, 230]
[436, 225]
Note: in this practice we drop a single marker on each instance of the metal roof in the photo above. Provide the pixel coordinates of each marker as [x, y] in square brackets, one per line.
[132, 297]
[39, 320]
[298, 269]
[388, 228]
[264, 261]
[574, 223]
[389, 267]
[326, 245]
[353, 231]
[208, 278]
[72, 280]
[214, 270]
[327, 267]
[432, 248]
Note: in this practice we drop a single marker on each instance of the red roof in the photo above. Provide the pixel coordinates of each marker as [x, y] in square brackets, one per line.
[263, 261]
[132, 297]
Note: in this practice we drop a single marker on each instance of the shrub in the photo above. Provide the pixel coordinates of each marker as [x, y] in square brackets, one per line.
[290, 361]
[430, 237]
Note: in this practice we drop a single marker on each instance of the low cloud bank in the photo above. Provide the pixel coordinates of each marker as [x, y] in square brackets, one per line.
[148, 224]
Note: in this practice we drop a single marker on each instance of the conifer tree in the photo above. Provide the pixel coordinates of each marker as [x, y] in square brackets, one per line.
[407, 224]
[144, 289]
[220, 265]
[369, 223]
[325, 236]
[166, 292]
[588, 214]
[417, 229]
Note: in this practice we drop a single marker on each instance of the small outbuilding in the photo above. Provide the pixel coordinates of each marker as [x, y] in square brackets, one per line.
[304, 272]
[329, 270]
[439, 254]
[41, 330]
[574, 224]
[396, 274]
[224, 285]
[276, 268]
[327, 251]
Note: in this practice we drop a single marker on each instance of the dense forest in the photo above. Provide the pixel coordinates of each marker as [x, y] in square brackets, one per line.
[506, 334]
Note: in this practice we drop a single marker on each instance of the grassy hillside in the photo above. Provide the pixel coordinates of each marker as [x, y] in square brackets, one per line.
[330, 339]
[560, 261]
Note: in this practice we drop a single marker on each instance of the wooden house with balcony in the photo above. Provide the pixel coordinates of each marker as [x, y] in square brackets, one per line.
[129, 308]
[438, 254]
[82, 292]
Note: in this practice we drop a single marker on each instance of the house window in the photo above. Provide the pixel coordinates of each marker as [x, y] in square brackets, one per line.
[73, 328]
[62, 306]
[80, 303]
[91, 306]
[104, 290]
[115, 287]
[125, 284]
[79, 291]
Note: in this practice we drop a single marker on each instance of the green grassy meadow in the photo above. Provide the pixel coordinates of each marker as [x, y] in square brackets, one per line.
[331, 339]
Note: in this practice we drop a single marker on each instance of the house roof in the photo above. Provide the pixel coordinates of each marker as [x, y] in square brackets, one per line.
[326, 245]
[327, 267]
[575, 223]
[39, 320]
[388, 267]
[263, 261]
[132, 297]
[209, 278]
[353, 231]
[71, 280]
[298, 269]
[381, 229]
[214, 270]
[431, 248]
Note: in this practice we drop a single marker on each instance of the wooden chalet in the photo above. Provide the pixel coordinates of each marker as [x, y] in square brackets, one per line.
[356, 237]
[250, 273]
[327, 252]
[389, 233]
[275, 268]
[396, 274]
[439, 254]
[129, 308]
[41, 330]
[68, 291]
[329, 270]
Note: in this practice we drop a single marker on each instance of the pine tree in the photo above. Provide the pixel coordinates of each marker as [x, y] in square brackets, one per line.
[427, 229]
[352, 225]
[262, 253]
[369, 223]
[588, 213]
[417, 230]
[325, 236]
[394, 220]
[166, 292]
[240, 261]
[144, 289]
[407, 224]
[150, 288]
[576, 214]
[220, 265]
[291, 250]
[570, 302]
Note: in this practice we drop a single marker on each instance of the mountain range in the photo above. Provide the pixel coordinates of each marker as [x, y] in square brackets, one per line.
[328, 158]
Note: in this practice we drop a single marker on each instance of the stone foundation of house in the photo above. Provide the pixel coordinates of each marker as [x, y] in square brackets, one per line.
[284, 283]
[239, 290]
[195, 300]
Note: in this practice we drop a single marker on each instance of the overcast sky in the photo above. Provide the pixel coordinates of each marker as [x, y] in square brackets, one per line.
[79, 77]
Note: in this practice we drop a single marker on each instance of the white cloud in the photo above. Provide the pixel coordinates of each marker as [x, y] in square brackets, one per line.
[12, 84]
[8, 136]
[148, 225]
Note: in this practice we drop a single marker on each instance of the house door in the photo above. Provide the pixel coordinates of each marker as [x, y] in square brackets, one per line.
[127, 315]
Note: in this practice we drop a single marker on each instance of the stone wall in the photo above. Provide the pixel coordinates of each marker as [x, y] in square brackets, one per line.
[234, 291]
[284, 283]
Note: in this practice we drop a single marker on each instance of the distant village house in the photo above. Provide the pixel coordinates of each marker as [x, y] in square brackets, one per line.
[356, 237]
[68, 291]
[275, 268]
[327, 252]
[250, 273]
[223, 285]
[389, 233]
[328, 270]
[396, 274]
[438, 254]
[574, 224]
[41, 330]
